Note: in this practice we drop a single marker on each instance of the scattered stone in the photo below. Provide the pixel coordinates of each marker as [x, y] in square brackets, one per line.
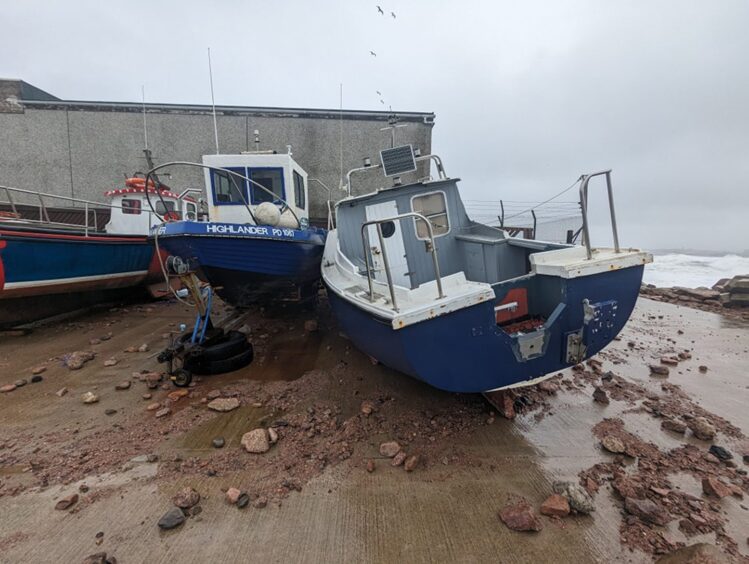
[163, 412]
[685, 355]
[171, 519]
[186, 498]
[713, 486]
[504, 401]
[124, 385]
[519, 516]
[61, 392]
[390, 449]
[607, 376]
[674, 425]
[720, 452]
[703, 369]
[243, 500]
[549, 387]
[89, 397]
[232, 495]
[411, 463]
[600, 396]
[67, 502]
[38, 370]
[399, 458]
[256, 441]
[555, 506]
[76, 360]
[310, 326]
[213, 394]
[110, 411]
[368, 408]
[175, 395]
[7, 388]
[153, 406]
[701, 553]
[658, 370]
[106, 336]
[370, 465]
[94, 341]
[613, 444]
[131, 349]
[702, 428]
[99, 557]
[146, 396]
[647, 511]
[218, 442]
[578, 498]
[670, 361]
[111, 362]
[20, 383]
[223, 404]
[143, 348]
[36, 379]
[272, 435]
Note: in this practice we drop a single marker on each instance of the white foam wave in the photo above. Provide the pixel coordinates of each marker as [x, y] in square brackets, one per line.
[692, 271]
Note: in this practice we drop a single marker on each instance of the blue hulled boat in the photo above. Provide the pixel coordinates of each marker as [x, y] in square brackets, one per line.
[258, 244]
[419, 286]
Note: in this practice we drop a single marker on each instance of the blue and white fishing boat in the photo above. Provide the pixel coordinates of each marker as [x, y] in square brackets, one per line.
[420, 287]
[258, 244]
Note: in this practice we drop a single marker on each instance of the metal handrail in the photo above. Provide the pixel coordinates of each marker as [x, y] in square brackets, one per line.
[438, 162]
[365, 245]
[44, 213]
[331, 223]
[584, 206]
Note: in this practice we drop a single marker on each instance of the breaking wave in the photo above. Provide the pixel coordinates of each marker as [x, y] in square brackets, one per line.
[692, 271]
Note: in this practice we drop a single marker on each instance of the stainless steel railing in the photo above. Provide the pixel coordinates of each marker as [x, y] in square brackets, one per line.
[386, 264]
[44, 218]
[437, 161]
[584, 206]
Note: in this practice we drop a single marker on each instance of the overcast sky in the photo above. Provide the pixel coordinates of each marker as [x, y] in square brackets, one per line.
[528, 95]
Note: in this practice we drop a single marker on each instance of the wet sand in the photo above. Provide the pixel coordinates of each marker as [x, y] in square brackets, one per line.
[446, 510]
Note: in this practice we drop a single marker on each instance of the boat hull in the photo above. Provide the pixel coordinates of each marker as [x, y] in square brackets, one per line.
[466, 351]
[48, 272]
[247, 264]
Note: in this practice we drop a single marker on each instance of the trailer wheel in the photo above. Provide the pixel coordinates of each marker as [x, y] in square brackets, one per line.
[230, 364]
[182, 377]
[233, 343]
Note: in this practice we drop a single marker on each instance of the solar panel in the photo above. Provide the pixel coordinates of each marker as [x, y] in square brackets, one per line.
[398, 160]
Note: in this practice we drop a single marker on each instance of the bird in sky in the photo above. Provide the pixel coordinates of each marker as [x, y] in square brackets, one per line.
[392, 14]
[380, 10]
[378, 92]
[373, 53]
[382, 102]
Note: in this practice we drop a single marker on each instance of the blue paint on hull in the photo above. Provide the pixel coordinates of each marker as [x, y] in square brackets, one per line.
[465, 351]
[248, 263]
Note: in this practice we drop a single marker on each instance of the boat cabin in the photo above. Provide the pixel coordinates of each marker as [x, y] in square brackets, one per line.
[261, 177]
[132, 214]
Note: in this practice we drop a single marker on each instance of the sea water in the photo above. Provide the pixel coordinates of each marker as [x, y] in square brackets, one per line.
[692, 271]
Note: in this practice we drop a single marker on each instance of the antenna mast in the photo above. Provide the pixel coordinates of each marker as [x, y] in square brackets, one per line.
[213, 100]
[145, 127]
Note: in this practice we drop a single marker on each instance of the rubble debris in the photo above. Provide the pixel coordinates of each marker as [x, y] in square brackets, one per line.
[122, 386]
[519, 516]
[20, 383]
[411, 463]
[555, 506]
[67, 502]
[186, 498]
[578, 498]
[218, 442]
[713, 486]
[232, 495]
[89, 397]
[223, 404]
[647, 511]
[36, 379]
[61, 392]
[658, 370]
[701, 553]
[99, 558]
[171, 519]
[243, 500]
[504, 401]
[144, 348]
[260, 502]
[720, 452]
[256, 441]
[163, 412]
[370, 465]
[367, 408]
[399, 458]
[600, 396]
[111, 362]
[613, 444]
[272, 435]
[702, 428]
[390, 449]
[38, 370]
[674, 426]
[76, 360]
[703, 368]
[7, 388]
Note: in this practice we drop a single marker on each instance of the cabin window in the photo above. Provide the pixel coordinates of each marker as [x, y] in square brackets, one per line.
[269, 178]
[191, 212]
[434, 207]
[167, 206]
[299, 191]
[130, 206]
[229, 189]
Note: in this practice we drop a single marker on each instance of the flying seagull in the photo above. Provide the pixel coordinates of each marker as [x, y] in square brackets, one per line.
[380, 10]
[382, 102]
[373, 53]
[378, 92]
[392, 14]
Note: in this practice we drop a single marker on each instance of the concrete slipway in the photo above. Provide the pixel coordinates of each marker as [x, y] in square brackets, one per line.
[446, 510]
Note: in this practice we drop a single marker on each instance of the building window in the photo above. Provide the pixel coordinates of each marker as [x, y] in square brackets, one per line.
[229, 189]
[299, 195]
[269, 178]
[130, 206]
[434, 207]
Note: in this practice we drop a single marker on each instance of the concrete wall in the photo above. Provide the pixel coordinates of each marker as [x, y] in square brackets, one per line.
[82, 149]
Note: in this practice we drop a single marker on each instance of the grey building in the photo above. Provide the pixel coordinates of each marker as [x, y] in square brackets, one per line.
[81, 149]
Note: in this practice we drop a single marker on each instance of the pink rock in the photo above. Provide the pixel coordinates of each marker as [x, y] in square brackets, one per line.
[232, 495]
[390, 449]
[555, 506]
[519, 516]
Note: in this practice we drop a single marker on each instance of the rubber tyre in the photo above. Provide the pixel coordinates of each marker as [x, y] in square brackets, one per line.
[211, 334]
[231, 345]
[222, 366]
[181, 378]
